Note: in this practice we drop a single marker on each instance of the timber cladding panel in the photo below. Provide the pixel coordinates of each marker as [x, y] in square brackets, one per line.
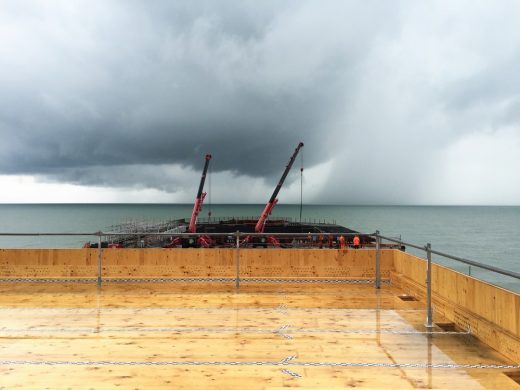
[172, 263]
[45, 263]
[312, 263]
[492, 313]
[218, 262]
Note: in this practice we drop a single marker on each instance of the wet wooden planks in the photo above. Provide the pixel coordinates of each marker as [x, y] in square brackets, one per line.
[215, 322]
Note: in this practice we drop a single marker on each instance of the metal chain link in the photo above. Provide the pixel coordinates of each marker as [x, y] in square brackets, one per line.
[283, 330]
[281, 307]
[182, 280]
[26, 280]
[167, 280]
[247, 280]
[381, 331]
[360, 281]
[291, 373]
[288, 361]
[280, 331]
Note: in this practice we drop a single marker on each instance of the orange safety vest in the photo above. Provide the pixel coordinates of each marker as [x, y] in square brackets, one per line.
[342, 243]
[356, 241]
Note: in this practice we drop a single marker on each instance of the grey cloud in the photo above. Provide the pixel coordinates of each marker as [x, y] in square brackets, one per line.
[163, 83]
[117, 93]
[491, 96]
[424, 89]
[168, 178]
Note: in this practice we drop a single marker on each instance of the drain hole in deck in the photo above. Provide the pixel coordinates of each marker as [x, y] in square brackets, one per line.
[514, 375]
[447, 326]
[407, 298]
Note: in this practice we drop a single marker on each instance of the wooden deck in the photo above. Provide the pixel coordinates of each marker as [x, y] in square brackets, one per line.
[212, 336]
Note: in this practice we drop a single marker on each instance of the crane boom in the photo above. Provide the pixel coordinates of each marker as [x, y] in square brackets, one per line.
[259, 228]
[199, 200]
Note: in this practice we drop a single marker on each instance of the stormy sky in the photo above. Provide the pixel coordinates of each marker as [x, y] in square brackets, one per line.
[400, 102]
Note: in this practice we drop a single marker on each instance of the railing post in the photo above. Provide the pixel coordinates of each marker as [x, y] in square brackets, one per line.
[378, 260]
[429, 320]
[99, 261]
[238, 259]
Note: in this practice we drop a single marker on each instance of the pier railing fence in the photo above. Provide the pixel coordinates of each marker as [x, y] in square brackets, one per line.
[241, 240]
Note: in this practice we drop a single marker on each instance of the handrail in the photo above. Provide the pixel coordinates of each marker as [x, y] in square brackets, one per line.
[375, 235]
[51, 234]
[480, 265]
[400, 242]
[144, 233]
[456, 258]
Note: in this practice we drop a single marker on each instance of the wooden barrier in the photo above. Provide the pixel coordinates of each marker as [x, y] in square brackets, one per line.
[492, 313]
[48, 263]
[169, 263]
[313, 263]
[180, 263]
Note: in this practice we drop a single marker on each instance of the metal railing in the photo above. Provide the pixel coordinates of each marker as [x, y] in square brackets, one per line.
[429, 251]
[311, 238]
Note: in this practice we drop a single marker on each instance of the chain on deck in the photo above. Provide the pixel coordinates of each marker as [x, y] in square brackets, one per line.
[283, 330]
[190, 280]
[288, 361]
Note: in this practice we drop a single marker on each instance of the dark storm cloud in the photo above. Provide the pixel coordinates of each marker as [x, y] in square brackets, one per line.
[391, 99]
[107, 84]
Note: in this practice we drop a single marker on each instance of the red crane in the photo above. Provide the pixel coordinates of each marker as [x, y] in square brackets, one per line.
[199, 200]
[203, 241]
[260, 225]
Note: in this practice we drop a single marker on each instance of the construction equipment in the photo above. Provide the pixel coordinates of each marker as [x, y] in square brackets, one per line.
[201, 241]
[199, 200]
[260, 225]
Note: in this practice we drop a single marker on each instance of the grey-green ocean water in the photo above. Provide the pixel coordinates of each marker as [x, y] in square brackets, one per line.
[486, 234]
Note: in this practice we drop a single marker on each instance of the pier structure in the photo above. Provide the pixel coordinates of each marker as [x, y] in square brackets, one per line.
[252, 317]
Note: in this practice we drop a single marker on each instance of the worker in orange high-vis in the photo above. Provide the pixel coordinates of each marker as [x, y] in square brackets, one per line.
[342, 242]
[356, 241]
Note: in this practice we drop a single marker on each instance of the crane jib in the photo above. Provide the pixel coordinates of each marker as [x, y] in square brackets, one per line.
[285, 173]
[199, 200]
[259, 228]
[203, 178]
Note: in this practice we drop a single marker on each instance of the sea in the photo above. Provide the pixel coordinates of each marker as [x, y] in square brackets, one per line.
[486, 234]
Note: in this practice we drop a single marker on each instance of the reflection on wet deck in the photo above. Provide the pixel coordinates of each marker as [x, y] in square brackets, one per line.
[212, 336]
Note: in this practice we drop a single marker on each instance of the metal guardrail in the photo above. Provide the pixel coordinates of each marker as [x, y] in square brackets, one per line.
[453, 257]
[239, 235]
[429, 251]
[237, 244]
[242, 234]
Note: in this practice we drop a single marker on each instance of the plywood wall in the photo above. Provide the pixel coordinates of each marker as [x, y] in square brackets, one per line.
[492, 313]
[172, 263]
[313, 263]
[177, 263]
[46, 263]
